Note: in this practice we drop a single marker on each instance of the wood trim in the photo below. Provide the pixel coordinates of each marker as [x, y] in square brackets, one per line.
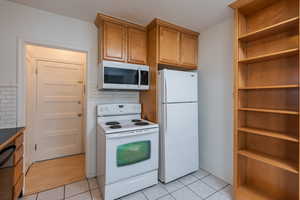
[161, 22]
[10, 140]
[298, 100]
[18, 187]
[248, 6]
[18, 171]
[148, 98]
[176, 66]
[235, 96]
[102, 17]
[18, 155]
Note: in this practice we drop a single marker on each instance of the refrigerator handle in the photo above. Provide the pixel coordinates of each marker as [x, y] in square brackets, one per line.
[166, 118]
[165, 90]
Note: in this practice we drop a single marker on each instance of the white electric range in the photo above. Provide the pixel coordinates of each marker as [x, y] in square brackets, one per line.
[127, 150]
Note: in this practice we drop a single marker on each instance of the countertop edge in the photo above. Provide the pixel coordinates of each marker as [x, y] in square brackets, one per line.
[12, 138]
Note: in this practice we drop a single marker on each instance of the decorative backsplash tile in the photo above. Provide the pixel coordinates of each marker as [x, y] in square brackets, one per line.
[8, 111]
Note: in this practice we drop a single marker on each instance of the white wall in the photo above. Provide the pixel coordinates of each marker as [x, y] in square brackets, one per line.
[29, 24]
[216, 100]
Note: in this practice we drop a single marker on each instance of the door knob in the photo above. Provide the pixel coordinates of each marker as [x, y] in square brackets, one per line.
[79, 115]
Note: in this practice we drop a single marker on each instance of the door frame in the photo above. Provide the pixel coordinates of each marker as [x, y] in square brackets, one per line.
[22, 87]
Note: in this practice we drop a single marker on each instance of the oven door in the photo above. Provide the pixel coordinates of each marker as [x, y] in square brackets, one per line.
[131, 153]
[120, 77]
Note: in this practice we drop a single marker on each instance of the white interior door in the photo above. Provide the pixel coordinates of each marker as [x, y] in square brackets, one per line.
[59, 110]
[180, 86]
[179, 137]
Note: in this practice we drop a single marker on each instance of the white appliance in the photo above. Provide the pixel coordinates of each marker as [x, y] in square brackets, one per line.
[127, 150]
[123, 76]
[178, 116]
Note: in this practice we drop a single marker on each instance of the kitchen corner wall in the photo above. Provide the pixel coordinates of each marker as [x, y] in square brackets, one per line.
[216, 99]
[29, 24]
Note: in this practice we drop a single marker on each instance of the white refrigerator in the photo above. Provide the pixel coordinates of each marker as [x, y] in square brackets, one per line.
[178, 116]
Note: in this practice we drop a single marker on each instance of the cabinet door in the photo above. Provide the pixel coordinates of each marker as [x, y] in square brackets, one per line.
[169, 45]
[114, 41]
[137, 46]
[189, 50]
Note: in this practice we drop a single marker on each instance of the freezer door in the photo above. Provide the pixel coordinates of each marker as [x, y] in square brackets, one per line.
[179, 141]
[179, 86]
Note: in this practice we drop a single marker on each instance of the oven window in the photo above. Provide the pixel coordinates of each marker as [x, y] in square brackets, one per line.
[120, 76]
[144, 78]
[131, 153]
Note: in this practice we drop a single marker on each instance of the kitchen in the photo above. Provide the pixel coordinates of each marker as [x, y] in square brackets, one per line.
[154, 54]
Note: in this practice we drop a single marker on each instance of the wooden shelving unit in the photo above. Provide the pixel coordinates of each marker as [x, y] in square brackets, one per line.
[266, 110]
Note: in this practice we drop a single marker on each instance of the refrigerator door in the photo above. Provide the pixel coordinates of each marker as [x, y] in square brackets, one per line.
[179, 152]
[179, 86]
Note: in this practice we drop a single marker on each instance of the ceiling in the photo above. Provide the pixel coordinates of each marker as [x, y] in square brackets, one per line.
[193, 14]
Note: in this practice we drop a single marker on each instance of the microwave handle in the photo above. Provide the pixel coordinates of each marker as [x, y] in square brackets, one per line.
[139, 74]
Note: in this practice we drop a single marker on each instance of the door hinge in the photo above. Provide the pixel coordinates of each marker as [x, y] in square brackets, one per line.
[35, 147]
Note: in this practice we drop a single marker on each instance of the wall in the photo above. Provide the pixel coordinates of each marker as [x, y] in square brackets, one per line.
[20, 22]
[216, 100]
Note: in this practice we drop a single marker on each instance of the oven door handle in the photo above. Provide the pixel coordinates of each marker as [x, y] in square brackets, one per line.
[130, 134]
[13, 148]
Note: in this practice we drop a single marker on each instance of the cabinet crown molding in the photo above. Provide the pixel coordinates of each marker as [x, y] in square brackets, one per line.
[160, 22]
[102, 17]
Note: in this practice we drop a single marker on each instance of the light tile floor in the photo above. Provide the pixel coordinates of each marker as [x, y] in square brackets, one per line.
[197, 186]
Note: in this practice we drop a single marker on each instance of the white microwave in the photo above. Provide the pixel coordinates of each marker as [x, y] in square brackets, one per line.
[123, 76]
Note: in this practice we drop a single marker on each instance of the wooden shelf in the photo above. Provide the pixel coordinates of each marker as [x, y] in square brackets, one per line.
[248, 193]
[287, 112]
[271, 160]
[269, 87]
[272, 134]
[270, 30]
[270, 56]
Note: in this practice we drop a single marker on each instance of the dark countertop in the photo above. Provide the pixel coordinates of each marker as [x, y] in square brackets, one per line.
[9, 133]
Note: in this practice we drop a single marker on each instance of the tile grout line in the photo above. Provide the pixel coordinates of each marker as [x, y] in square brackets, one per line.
[200, 179]
[184, 186]
[217, 191]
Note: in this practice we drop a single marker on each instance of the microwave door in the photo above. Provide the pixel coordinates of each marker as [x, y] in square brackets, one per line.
[120, 78]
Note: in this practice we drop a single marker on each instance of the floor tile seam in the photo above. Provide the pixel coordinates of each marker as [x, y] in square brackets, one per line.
[217, 191]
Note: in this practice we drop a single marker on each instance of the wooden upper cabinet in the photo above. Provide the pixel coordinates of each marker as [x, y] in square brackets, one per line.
[169, 45]
[177, 46]
[137, 46]
[189, 50]
[121, 41]
[114, 41]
